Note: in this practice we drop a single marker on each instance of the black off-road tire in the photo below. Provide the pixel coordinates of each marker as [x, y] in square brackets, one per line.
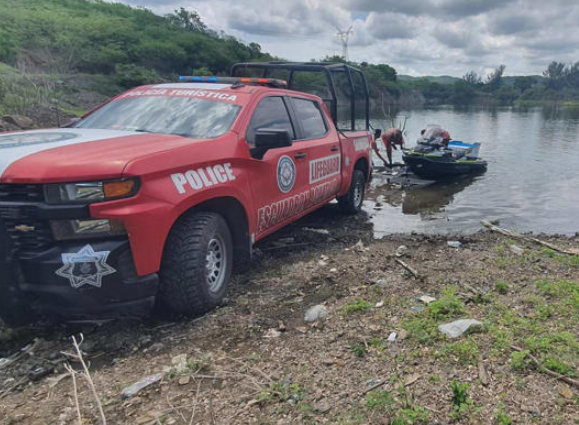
[351, 203]
[185, 287]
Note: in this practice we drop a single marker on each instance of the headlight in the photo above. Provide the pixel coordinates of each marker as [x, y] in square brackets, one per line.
[82, 229]
[91, 192]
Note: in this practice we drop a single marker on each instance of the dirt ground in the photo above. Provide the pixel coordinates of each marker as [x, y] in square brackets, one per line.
[256, 361]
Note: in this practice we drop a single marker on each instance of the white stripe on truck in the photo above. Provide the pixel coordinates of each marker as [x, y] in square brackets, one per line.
[16, 146]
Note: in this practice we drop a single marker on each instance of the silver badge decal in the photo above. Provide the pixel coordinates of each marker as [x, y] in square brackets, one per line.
[86, 267]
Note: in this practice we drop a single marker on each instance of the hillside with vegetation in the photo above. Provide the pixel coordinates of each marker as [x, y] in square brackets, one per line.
[65, 56]
[558, 84]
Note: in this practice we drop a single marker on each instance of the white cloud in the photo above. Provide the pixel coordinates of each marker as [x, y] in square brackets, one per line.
[422, 37]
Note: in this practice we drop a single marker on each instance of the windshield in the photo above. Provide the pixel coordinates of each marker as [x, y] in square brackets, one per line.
[195, 118]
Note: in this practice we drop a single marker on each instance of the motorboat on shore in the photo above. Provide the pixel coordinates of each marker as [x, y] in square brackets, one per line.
[457, 158]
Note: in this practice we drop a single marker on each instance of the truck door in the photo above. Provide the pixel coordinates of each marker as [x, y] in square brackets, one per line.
[279, 180]
[320, 142]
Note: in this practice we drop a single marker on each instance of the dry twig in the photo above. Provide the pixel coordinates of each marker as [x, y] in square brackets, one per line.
[549, 372]
[373, 387]
[195, 406]
[407, 268]
[516, 235]
[482, 372]
[89, 378]
[72, 373]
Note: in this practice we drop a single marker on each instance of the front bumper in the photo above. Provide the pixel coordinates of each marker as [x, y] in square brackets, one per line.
[76, 280]
[80, 281]
[84, 280]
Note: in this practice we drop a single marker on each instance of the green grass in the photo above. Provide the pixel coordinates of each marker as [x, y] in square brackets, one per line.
[449, 305]
[410, 416]
[422, 328]
[462, 404]
[380, 400]
[520, 360]
[399, 408]
[358, 350]
[502, 287]
[465, 352]
[569, 260]
[278, 392]
[501, 418]
[359, 306]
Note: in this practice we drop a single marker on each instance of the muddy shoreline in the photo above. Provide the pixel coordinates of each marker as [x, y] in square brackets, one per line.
[255, 361]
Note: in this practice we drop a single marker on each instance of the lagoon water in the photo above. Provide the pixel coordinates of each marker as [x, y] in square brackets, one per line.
[532, 182]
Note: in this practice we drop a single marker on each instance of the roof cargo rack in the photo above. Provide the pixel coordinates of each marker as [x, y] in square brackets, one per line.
[341, 86]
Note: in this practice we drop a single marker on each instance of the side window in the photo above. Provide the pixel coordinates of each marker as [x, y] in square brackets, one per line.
[270, 113]
[311, 118]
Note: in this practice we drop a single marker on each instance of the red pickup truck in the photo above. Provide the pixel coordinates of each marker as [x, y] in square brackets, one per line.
[157, 195]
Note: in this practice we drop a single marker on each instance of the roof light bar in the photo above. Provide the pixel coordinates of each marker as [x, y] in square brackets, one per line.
[273, 82]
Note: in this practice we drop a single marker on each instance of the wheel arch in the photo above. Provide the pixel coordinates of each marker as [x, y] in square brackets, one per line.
[235, 215]
[363, 165]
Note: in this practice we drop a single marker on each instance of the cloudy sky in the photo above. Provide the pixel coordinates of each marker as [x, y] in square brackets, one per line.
[417, 37]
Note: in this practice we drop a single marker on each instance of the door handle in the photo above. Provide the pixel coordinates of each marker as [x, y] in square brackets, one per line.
[335, 149]
[300, 155]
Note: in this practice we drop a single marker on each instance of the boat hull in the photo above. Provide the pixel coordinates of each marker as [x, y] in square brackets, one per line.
[437, 167]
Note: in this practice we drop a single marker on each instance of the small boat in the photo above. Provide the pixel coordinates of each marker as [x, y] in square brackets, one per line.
[457, 159]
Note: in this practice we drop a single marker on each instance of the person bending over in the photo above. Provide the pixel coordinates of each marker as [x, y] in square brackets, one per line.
[391, 138]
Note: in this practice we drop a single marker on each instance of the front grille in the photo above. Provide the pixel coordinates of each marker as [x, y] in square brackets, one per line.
[18, 204]
[21, 193]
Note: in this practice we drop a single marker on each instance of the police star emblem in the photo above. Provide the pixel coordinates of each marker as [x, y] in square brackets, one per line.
[86, 267]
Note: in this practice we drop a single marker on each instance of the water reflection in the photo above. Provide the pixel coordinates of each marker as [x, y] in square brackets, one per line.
[423, 200]
[532, 183]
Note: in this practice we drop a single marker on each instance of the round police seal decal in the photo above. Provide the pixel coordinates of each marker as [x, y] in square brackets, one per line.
[286, 174]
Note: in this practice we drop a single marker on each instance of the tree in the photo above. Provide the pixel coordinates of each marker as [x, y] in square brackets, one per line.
[495, 78]
[255, 50]
[472, 78]
[334, 58]
[522, 84]
[572, 75]
[555, 74]
[191, 21]
[463, 93]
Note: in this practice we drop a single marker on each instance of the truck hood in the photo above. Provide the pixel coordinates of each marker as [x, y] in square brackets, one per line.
[75, 154]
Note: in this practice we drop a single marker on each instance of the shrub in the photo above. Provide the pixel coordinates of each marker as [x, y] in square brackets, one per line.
[129, 75]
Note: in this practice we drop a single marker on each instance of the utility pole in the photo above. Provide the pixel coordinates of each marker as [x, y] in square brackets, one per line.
[344, 36]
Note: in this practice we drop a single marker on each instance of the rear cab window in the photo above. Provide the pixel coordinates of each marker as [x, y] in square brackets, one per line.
[311, 118]
[271, 112]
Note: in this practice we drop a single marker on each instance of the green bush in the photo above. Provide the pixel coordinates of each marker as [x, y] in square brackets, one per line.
[130, 75]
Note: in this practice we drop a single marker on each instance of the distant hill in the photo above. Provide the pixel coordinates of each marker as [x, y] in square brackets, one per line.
[509, 81]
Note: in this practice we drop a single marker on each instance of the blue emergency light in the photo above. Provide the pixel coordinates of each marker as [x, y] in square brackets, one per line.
[271, 82]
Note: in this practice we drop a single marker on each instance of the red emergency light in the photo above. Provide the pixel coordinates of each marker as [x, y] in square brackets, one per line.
[271, 82]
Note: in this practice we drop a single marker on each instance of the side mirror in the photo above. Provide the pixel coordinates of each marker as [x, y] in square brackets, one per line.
[269, 138]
